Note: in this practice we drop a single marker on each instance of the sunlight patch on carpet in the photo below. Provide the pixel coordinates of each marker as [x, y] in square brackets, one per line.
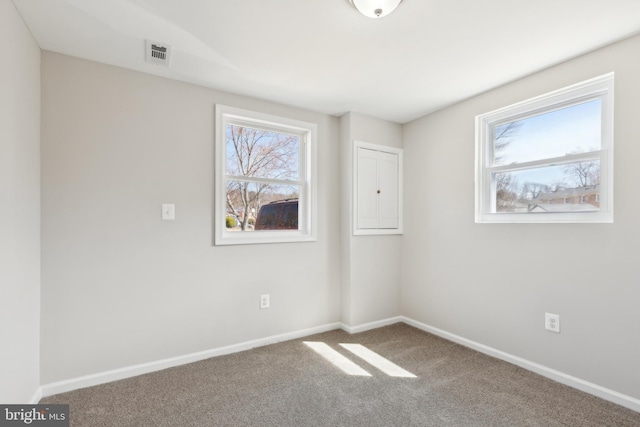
[373, 358]
[341, 362]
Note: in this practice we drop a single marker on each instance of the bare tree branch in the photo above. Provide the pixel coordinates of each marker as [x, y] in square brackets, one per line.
[256, 153]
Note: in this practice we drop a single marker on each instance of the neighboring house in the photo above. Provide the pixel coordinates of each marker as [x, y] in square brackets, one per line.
[577, 207]
[586, 198]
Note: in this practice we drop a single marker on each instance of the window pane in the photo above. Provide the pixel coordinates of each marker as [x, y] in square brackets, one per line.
[570, 130]
[574, 187]
[258, 206]
[261, 153]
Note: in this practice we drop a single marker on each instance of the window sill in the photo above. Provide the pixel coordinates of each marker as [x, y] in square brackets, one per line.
[225, 238]
[541, 218]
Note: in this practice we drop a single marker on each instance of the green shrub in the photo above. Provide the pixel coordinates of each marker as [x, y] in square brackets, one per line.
[230, 222]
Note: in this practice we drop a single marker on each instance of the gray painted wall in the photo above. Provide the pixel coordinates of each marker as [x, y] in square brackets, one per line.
[121, 287]
[19, 210]
[492, 283]
[371, 264]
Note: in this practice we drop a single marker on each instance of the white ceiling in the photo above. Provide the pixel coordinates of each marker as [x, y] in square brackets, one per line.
[325, 56]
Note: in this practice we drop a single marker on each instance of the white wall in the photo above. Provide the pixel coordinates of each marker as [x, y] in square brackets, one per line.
[120, 286]
[371, 264]
[19, 209]
[492, 283]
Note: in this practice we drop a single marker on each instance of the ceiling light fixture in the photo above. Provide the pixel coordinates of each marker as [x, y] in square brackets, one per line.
[375, 8]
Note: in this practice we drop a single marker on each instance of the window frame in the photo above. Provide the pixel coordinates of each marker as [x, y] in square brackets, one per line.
[307, 205]
[602, 88]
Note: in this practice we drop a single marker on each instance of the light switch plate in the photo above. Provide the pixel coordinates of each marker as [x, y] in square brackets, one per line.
[168, 211]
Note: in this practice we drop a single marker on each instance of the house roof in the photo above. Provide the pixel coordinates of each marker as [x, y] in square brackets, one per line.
[568, 192]
[325, 56]
[568, 207]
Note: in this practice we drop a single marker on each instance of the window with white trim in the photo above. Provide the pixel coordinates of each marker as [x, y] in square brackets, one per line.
[265, 178]
[548, 159]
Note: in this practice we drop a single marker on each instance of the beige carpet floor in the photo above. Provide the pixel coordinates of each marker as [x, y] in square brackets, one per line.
[288, 384]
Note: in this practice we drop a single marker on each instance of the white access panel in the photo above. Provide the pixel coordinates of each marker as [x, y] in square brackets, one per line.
[367, 182]
[388, 187]
[377, 189]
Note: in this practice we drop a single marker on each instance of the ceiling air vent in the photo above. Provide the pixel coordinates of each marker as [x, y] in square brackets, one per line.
[158, 53]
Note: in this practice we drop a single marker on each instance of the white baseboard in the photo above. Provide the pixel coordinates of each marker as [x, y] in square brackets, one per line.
[586, 386]
[144, 368]
[372, 325]
[36, 397]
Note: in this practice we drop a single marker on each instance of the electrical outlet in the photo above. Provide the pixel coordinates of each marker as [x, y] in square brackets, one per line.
[264, 301]
[552, 322]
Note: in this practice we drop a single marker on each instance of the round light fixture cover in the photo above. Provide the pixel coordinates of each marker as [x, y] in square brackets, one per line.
[376, 8]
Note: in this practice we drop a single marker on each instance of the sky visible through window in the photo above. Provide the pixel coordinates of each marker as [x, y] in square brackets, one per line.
[575, 129]
[260, 153]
